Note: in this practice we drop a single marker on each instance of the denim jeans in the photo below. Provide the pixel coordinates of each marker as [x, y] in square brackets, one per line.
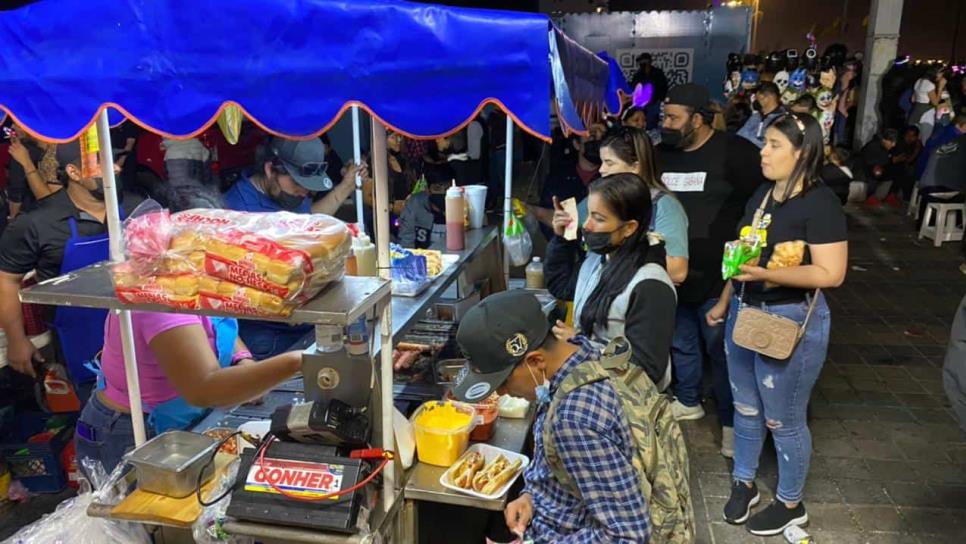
[772, 395]
[693, 337]
[266, 340]
[103, 434]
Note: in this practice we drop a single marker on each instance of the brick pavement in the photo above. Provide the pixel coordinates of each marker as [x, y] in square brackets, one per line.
[889, 464]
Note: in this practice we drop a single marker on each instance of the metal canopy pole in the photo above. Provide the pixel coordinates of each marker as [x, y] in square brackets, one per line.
[380, 168]
[507, 195]
[117, 254]
[357, 157]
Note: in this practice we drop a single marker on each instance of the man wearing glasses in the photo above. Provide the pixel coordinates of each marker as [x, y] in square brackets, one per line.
[285, 176]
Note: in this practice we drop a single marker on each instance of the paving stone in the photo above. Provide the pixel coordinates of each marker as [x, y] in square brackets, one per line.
[724, 533]
[831, 516]
[892, 471]
[878, 449]
[847, 468]
[821, 489]
[914, 494]
[932, 521]
[950, 496]
[860, 492]
[878, 518]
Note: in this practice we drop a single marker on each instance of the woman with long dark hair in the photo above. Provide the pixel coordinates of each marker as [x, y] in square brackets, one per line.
[623, 288]
[807, 250]
[629, 150]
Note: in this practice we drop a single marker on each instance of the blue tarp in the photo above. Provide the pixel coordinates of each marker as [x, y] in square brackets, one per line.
[293, 66]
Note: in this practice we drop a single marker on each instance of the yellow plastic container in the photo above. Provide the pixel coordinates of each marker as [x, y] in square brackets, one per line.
[443, 431]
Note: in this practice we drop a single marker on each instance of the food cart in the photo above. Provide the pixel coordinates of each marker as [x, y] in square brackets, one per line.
[293, 68]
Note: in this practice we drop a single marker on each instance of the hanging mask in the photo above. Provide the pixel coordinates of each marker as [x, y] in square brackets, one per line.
[824, 98]
[798, 80]
[827, 78]
[781, 80]
[749, 78]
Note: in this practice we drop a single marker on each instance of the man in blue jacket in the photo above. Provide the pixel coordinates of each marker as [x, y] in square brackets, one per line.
[286, 175]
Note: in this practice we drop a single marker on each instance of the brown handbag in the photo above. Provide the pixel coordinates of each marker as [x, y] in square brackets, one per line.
[771, 335]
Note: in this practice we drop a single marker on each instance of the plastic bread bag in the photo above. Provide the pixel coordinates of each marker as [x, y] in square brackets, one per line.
[288, 255]
[410, 272]
[70, 522]
[518, 244]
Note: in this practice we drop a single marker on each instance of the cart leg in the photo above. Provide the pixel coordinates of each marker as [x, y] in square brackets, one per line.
[408, 525]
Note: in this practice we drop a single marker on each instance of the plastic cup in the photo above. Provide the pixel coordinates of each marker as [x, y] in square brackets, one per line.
[476, 200]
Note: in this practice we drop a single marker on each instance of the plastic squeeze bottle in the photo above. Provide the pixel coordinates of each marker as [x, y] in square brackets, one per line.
[365, 253]
[455, 214]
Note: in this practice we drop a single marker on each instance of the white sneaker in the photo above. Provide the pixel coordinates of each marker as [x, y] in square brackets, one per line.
[728, 442]
[686, 413]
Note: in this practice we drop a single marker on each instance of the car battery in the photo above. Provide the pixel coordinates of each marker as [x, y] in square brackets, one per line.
[306, 470]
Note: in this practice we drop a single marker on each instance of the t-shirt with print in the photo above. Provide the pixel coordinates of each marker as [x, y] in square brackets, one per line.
[713, 184]
[812, 217]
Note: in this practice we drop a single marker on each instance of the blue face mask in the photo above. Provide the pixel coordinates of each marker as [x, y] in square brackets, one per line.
[543, 389]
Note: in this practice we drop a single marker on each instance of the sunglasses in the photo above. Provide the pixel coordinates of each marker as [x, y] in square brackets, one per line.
[307, 169]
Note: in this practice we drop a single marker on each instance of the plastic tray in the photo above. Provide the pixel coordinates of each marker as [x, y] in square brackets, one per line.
[489, 453]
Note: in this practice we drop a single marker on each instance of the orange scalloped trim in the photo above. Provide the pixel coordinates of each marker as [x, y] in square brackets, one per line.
[214, 119]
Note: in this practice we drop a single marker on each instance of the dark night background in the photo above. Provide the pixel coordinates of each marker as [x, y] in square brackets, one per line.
[929, 27]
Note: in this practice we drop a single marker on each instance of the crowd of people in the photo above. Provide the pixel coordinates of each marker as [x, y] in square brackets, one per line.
[658, 197]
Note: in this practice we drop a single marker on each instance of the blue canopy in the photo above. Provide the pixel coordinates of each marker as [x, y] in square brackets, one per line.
[292, 66]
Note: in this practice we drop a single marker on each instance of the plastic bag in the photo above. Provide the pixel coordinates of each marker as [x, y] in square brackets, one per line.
[517, 241]
[207, 529]
[258, 264]
[70, 522]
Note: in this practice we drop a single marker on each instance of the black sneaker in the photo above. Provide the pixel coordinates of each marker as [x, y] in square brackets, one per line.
[776, 518]
[739, 505]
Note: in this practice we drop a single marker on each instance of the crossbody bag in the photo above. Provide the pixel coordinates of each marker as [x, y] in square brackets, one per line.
[763, 332]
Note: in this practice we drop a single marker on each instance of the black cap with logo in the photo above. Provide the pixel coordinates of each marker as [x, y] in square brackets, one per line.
[495, 335]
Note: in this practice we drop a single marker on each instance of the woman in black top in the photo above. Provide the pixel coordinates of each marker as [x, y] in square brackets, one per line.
[623, 288]
[807, 249]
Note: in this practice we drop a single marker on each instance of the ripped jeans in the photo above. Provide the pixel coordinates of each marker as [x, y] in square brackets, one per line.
[772, 395]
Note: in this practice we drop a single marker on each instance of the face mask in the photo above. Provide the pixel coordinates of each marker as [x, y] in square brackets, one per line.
[543, 390]
[677, 138]
[756, 105]
[98, 193]
[287, 201]
[599, 242]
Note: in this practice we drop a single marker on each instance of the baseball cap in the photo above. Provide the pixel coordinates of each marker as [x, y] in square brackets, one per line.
[691, 95]
[69, 153]
[304, 160]
[495, 335]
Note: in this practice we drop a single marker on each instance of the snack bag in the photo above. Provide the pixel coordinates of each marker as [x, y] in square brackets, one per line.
[228, 297]
[747, 248]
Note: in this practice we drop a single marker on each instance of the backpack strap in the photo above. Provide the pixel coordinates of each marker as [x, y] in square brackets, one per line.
[585, 373]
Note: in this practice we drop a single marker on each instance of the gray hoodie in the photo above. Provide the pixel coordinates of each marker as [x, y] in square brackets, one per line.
[954, 368]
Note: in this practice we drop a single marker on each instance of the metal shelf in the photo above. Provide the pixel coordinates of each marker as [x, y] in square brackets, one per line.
[340, 303]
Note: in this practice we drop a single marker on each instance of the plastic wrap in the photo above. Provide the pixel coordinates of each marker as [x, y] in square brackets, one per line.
[70, 522]
[259, 264]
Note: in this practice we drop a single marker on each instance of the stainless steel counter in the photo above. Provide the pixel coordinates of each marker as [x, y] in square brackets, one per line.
[423, 481]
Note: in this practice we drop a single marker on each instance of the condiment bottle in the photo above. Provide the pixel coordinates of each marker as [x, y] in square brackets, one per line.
[455, 218]
[535, 274]
[365, 253]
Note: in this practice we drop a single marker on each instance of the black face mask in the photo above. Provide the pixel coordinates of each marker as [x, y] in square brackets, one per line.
[287, 201]
[592, 151]
[599, 242]
[98, 193]
[677, 138]
[756, 105]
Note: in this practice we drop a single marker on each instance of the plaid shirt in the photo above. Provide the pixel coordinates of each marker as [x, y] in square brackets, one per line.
[595, 446]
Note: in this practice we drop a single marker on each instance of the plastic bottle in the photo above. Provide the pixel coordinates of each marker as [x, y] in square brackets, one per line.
[455, 218]
[535, 274]
[365, 253]
[358, 338]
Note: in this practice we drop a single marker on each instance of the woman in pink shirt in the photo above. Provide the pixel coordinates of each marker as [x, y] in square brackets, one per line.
[187, 364]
